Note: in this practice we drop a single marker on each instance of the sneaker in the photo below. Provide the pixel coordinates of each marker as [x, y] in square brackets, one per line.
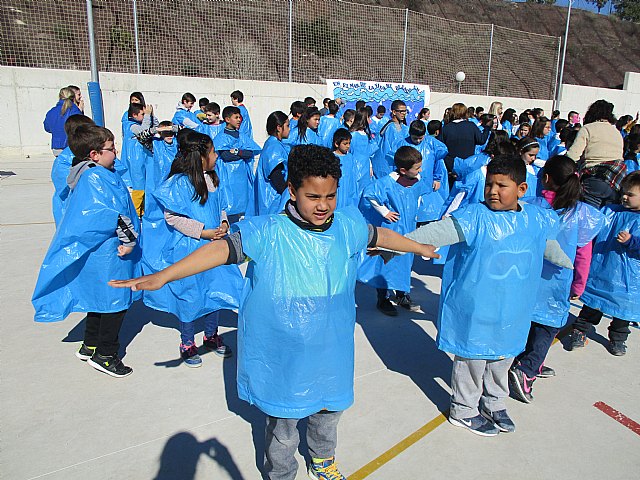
[520, 385]
[404, 301]
[189, 354]
[325, 469]
[386, 307]
[111, 365]
[215, 344]
[577, 339]
[634, 324]
[85, 353]
[478, 425]
[500, 419]
[617, 348]
[546, 372]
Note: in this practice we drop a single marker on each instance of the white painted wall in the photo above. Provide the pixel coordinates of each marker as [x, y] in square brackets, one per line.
[26, 94]
[578, 97]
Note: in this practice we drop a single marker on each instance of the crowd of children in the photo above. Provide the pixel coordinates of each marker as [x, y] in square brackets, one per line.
[336, 196]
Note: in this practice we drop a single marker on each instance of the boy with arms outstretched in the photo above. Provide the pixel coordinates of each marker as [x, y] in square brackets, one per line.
[296, 322]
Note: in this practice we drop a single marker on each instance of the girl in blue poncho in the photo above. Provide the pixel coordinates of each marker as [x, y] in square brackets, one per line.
[579, 224]
[193, 203]
[306, 131]
[540, 133]
[528, 149]
[348, 193]
[270, 186]
[363, 148]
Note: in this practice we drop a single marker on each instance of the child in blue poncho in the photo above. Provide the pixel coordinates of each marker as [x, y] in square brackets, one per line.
[392, 201]
[329, 124]
[270, 186]
[613, 287]
[579, 224]
[211, 125]
[391, 132]
[95, 240]
[184, 116]
[237, 99]
[297, 318]
[493, 266]
[194, 204]
[348, 193]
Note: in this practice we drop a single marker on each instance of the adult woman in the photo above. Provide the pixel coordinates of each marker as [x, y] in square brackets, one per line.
[600, 146]
[496, 109]
[57, 116]
[461, 136]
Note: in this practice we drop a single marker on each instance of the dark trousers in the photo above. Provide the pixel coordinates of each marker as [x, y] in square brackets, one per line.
[101, 331]
[384, 293]
[538, 344]
[618, 329]
[598, 193]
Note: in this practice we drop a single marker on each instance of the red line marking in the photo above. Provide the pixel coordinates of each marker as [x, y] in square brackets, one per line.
[618, 417]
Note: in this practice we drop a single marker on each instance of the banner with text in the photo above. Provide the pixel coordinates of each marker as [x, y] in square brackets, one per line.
[381, 93]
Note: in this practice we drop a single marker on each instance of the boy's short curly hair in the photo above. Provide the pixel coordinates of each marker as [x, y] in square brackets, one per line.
[509, 165]
[312, 161]
[631, 181]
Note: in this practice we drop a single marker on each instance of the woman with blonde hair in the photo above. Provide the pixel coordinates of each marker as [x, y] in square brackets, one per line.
[56, 117]
[497, 109]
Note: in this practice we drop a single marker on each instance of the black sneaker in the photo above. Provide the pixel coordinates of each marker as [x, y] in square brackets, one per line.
[85, 352]
[386, 307]
[546, 372]
[500, 419]
[617, 348]
[404, 301]
[215, 344]
[111, 365]
[520, 385]
[577, 339]
[478, 425]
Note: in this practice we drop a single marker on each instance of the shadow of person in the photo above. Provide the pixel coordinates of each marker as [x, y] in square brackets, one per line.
[402, 344]
[248, 413]
[181, 455]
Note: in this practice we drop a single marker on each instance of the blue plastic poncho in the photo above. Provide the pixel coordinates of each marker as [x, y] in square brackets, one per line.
[543, 154]
[632, 165]
[297, 318]
[211, 130]
[490, 279]
[245, 127]
[466, 192]
[181, 114]
[134, 156]
[534, 183]
[613, 286]
[395, 275]
[363, 149]
[348, 193]
[238, 173]
[311, 137]
[265, 198]
[156, 172]
[465, 166]
[59, 173]
[578, 226]
[197, 295]
[390, 135]
[82, 256]
[326, 129]
[430, 206]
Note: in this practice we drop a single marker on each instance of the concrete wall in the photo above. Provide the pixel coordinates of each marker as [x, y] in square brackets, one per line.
[26, 94]
[578, 97]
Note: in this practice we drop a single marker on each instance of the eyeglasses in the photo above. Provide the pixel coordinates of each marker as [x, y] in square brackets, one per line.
[112, 149]
[400, 111]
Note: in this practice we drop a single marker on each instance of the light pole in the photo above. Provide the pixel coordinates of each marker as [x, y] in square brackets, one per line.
[564, 54]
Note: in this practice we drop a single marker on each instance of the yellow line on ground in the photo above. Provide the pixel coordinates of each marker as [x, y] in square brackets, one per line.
[398, 448]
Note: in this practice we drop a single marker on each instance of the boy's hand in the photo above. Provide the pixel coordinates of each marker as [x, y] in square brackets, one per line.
[436, 185]
[148, 110]
[148, 282]
[623, 237]
[213, 233]
[392, 216]
[122, 250]
[429, 251]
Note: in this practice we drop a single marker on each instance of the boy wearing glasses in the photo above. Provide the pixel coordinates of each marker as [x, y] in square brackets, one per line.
[391, 133]
[96, 240]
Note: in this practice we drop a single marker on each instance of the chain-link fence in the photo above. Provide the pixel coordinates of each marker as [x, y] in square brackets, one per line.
[280, 40]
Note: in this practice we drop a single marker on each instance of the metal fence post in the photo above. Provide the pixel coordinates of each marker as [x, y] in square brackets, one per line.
[555, 79]
[290, 40]
[404, 46]
[135, 33]
[92, 42]
[490, 56]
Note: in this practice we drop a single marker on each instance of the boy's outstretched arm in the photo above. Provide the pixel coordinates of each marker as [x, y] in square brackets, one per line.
[209, 256]
[390, 240]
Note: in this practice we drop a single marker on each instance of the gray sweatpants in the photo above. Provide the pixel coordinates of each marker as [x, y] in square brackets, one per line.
[282, 441]
[474, 381]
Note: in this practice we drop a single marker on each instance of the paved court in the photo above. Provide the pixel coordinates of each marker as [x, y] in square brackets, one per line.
[60, 419]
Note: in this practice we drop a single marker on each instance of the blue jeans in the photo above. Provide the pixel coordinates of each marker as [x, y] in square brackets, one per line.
[188, 329]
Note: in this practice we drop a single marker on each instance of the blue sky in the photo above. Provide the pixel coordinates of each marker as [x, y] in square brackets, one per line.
[580, 4]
